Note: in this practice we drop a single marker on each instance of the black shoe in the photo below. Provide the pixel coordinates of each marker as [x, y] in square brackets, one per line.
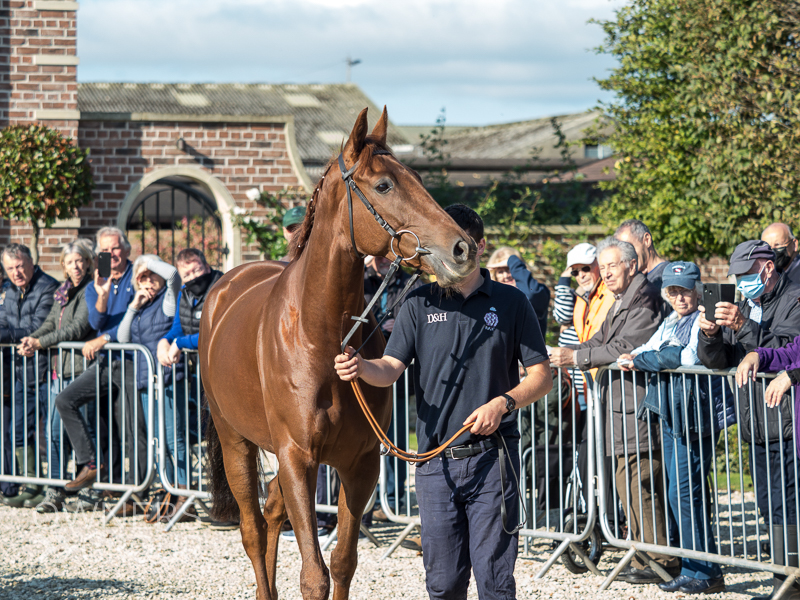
[412, 543]
[223, 525]
[639, 576]
[672, 586]
[703, 586]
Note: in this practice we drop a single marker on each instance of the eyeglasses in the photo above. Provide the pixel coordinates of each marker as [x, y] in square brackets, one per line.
[675, 291]
[584, 269]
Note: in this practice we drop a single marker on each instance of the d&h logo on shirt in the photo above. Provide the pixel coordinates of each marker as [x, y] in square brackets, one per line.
[437, 317]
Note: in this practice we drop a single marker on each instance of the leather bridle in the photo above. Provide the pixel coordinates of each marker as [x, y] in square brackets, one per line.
[351, 186]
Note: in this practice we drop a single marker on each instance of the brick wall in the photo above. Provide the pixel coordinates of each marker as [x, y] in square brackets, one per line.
[241, 156]
[38, 83]
[38, 63]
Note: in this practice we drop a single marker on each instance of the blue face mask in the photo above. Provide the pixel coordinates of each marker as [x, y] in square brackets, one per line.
[751, 285]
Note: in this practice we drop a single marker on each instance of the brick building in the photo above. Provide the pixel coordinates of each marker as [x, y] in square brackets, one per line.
[170, 162]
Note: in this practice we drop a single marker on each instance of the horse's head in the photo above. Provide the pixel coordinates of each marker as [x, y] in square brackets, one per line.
[397, 195]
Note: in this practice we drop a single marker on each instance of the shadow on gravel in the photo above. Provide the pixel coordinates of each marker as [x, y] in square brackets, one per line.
[14, 585]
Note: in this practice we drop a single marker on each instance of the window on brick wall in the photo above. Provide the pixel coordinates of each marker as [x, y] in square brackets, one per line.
[173, 214]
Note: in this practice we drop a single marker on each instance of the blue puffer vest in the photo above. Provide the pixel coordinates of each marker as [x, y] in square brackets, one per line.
[149, 325]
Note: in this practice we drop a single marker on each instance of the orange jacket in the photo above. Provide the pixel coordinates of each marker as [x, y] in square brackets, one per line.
[590, 313]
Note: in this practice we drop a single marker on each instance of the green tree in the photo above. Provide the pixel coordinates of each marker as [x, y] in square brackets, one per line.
[267, 232]
[707, 120]
[44, 176]
[436, 178]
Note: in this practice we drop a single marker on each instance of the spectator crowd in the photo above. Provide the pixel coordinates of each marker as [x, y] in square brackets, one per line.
[82, 416]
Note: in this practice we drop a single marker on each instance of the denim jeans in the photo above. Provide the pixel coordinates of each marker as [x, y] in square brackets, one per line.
[174, 434]
[686, 466]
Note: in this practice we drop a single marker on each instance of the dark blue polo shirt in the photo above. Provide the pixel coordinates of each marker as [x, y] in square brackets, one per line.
[466, 352]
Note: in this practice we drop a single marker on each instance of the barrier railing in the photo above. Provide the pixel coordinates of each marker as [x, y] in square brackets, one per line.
[708, 519]
[181, 450]
[552, 435]
[662, 430]
[29, 387]
[560, 441]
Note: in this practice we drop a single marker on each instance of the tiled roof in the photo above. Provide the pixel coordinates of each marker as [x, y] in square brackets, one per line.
[323, 114]
[510, 140]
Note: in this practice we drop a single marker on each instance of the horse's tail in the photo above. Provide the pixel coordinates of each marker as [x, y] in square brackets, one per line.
[224, 505]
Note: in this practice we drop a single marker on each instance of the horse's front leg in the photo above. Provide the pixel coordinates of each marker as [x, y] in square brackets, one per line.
[298, 481]
[358, 483]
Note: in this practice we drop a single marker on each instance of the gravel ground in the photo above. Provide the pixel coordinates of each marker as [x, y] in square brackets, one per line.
[74, 556]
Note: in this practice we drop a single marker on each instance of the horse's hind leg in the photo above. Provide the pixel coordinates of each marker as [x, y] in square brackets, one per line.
[358, 482]
[275, 514]
[241, 468]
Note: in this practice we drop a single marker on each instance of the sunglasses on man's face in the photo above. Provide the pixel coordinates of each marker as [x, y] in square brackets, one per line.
[584, 269]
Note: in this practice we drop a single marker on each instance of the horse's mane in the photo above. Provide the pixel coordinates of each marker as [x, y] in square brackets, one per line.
[300, 237]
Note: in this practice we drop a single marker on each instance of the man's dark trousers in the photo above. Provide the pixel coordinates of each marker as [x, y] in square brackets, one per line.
[770, 461]
[24, 414]
[459, 506]
[83, 390]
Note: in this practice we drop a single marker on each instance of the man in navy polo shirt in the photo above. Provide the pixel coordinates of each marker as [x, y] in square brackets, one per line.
[466, 344]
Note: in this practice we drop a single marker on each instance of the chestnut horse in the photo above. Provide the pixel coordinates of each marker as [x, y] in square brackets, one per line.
[268, 337]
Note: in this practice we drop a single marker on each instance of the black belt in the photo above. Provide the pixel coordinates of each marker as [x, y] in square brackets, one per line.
[467, 450]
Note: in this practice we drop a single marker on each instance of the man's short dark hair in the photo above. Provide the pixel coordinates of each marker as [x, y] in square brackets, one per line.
[467, 219]
[188, 255]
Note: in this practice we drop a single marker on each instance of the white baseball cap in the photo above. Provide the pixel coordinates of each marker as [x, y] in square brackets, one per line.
[582, 254]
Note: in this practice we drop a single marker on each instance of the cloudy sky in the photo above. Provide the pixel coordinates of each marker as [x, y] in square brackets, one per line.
[485, 61]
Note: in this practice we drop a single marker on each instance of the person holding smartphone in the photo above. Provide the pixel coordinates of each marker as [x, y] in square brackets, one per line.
[768, 316]
[107, 299]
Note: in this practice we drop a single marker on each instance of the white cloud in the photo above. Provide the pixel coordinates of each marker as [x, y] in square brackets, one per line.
[501, 50]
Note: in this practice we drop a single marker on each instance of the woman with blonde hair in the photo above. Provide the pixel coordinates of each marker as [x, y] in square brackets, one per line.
[506, 266]
[68, 321]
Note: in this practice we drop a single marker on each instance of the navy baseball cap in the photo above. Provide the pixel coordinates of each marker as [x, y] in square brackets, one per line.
[748, 253]
[682, 274]
[294, 216]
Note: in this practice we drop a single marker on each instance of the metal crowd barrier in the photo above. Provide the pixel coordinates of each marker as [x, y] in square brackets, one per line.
[724, 525]
[181, 416]
[551, 438]
[559, 498]
[30, 386]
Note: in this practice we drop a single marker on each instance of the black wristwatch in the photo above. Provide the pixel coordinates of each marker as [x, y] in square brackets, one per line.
[511, 404]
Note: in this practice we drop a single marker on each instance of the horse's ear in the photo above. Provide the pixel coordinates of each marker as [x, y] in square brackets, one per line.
[379, 133]
[355, 143]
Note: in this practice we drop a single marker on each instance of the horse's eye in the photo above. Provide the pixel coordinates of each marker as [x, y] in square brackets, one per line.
[383, 187]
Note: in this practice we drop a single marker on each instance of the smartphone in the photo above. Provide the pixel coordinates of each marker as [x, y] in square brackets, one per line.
[104, 264]
[717, 292]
